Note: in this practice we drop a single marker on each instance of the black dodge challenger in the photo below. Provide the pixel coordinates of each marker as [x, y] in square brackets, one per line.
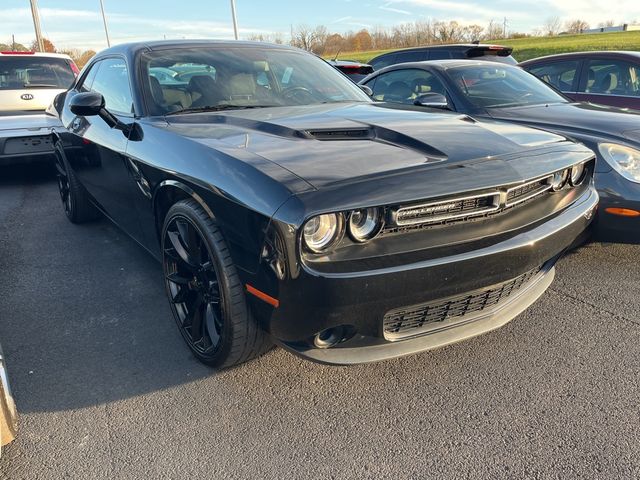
[287, 207]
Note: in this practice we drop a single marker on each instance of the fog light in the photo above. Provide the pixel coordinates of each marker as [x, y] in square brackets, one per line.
[330, 337]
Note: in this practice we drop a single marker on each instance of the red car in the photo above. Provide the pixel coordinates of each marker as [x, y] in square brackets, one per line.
[608, 78]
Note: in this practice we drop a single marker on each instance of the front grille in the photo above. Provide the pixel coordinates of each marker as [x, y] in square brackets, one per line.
[435, 212]
[528, 191]
[420, 319]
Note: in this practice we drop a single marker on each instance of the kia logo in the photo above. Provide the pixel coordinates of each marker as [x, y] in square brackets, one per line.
[26, 96]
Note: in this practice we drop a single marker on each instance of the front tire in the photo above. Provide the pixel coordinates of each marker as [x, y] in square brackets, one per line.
[75, 200]
[205, 293]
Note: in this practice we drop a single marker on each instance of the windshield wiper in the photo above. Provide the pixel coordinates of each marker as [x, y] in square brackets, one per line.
[218, 108]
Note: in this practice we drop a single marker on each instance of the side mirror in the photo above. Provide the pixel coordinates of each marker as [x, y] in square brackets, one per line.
[366, 90]
[432, 100]
[87, 104]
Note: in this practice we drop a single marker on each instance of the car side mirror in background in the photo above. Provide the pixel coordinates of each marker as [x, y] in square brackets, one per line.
[366, 90]
[432, 100]
[87, 104]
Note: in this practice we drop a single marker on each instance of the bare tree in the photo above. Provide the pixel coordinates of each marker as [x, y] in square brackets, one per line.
[552, 26]
[493, 31]
[576, 26]
[607, 24]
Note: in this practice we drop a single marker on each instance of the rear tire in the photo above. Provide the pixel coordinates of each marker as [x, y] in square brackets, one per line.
[75, 199]
[205, 292]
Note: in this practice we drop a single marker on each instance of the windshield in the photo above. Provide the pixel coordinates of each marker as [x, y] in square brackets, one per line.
[20, 72]
[494, 86]
[212, 78]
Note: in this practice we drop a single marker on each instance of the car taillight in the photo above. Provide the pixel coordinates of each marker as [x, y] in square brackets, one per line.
[74, 68]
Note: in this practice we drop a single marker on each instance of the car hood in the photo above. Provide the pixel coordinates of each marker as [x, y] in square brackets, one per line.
[583, 118]
[333, 143]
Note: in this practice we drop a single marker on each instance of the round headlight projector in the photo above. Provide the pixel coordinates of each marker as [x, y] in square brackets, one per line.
[364, 224]
[577, 174]
[322, 231]
[559, 180]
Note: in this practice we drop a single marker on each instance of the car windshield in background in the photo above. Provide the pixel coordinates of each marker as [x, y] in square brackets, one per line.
[20, 72]
[494, 87]
[220, 79]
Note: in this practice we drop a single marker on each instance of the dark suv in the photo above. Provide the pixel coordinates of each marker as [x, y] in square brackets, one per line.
[494, 53]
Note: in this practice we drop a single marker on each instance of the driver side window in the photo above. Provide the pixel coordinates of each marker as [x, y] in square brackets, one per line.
[112, 81]
[404, 86]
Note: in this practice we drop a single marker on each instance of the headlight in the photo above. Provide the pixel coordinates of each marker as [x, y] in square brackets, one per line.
[322, 231]
[559, 180]
[365, 224]
[578, 172]
[625, 160]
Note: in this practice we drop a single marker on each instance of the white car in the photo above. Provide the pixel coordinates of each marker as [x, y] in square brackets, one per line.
[28, 84]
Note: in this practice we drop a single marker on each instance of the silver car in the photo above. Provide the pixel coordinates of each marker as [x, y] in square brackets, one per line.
[28, 84]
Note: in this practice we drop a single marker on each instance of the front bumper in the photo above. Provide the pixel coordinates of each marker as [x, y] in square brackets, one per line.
[357, 302]
[617, 192]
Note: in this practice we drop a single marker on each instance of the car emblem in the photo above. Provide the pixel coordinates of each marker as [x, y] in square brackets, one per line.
[26, 96]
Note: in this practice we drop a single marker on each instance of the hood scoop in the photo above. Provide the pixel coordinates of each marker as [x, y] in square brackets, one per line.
[341, 134]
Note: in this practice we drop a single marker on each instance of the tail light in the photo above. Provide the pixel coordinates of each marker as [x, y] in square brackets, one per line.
[74, 68]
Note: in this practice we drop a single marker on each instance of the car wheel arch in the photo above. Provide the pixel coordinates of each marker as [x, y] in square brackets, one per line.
[168, 193]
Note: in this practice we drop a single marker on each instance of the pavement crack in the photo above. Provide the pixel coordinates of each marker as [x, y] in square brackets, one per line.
[595, 307]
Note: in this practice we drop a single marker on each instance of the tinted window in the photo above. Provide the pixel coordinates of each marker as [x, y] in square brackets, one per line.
[491, 86]
[383, 61]
[20, 72]
[559, 74]
[440, 54]
[404, 57]
[404, 86]
[612, 77]
[112, 81]
[89, 77]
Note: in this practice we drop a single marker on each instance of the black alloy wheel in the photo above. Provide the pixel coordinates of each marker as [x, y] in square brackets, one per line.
[205, 293]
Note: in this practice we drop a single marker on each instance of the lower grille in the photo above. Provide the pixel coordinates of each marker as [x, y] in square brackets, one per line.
[420, 319]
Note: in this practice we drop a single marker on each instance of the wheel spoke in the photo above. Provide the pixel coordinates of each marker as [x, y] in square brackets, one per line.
[181, 296]
[182, 254]
[212, 325]
[196, 325]
[190, 239]
[177, 278]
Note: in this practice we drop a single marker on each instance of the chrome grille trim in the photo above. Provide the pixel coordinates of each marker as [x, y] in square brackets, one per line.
[430, 210]
[544, 187]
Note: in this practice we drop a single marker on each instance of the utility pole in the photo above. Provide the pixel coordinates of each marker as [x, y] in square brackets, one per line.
[504, 28]
[104, 20]
[235, 19]
[36, 24]
[13, 42]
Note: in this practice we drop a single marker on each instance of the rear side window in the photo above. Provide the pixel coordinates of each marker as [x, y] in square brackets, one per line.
[417, 56]
[19, 72]
[612, 77]
[561, 75]
[112, 81]
[383, 61]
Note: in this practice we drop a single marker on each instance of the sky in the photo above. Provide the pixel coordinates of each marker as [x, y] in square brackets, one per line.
[78, 24]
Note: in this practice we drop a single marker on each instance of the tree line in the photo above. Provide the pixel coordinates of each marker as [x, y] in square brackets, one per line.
[80, 57]
[318, 39]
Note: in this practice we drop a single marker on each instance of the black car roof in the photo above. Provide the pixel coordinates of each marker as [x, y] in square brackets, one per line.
[451, 46]
[135, 47]
[598, 53]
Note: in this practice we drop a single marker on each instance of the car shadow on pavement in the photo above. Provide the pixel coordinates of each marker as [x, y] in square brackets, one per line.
[84, 319]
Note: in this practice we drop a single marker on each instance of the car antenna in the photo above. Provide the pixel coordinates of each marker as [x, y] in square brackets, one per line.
[337, 53]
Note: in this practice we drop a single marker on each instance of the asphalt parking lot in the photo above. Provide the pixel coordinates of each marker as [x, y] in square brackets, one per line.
[107, 389]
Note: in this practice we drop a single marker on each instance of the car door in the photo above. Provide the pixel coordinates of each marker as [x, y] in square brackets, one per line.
[101, 163]
[564, 75]
[610, 81]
